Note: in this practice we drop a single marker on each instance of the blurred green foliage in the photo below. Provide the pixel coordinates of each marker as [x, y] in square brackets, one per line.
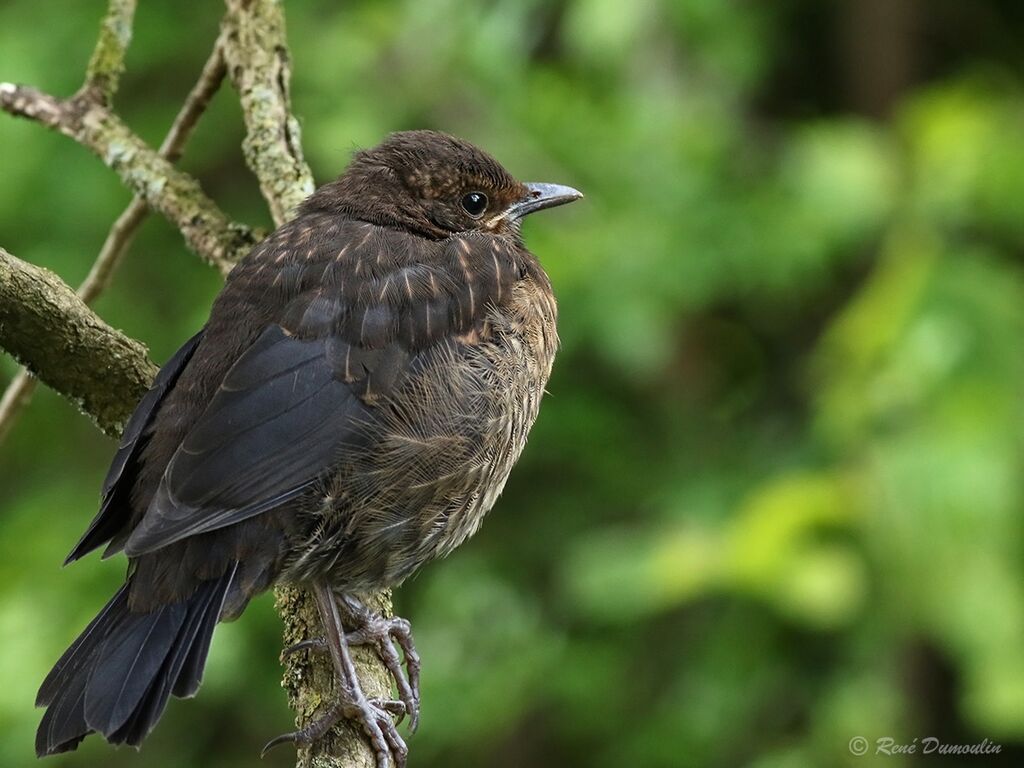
[774, 498]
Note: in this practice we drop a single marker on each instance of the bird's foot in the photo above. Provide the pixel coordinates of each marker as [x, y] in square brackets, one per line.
[384, 634]
[372, 714]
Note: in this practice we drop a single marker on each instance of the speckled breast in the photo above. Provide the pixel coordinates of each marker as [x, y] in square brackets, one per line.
[440, 451]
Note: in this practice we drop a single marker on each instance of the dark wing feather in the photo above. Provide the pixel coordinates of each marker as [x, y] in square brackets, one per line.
[303, 393]
[115, 509]
[270, 431]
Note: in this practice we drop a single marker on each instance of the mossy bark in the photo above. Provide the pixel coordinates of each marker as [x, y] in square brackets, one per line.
[50, 330]
[256, 51]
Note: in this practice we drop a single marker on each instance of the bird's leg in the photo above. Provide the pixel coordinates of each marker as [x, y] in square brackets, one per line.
[370, 628]
[351, 702]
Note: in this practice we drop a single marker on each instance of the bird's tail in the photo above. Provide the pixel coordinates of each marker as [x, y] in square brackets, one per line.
[116, 678]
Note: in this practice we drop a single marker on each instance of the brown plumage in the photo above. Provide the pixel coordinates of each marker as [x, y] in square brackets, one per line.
[351, 410]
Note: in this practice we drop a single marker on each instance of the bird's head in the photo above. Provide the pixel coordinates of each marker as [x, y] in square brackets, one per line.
[436, 185]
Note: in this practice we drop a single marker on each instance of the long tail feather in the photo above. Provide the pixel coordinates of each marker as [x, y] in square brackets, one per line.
[118, 675]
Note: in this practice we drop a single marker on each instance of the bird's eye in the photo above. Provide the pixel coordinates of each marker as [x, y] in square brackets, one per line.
[475, 203]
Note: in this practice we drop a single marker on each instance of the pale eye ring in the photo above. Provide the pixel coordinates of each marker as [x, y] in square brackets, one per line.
[475, 203]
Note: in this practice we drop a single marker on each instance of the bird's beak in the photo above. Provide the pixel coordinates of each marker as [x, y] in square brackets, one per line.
[540, 196]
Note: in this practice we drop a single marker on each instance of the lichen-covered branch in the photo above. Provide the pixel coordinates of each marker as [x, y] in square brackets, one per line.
[107, 62]
[51, 331]
[19, 392]
[207, 230]
[256, 51]
[257, 54]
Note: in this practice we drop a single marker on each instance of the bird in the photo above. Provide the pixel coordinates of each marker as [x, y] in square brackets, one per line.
[350, 411]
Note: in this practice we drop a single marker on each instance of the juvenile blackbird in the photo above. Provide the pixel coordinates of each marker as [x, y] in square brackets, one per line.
[351, 410]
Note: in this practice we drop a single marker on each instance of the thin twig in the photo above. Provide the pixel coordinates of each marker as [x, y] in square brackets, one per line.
[19, 392]
[16, 397]
[207, 230]
[195, 104]
[122, 232]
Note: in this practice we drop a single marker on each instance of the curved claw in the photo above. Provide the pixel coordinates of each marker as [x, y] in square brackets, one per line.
[277, 740]
[306, 736]
[372, 714]
[315, 644]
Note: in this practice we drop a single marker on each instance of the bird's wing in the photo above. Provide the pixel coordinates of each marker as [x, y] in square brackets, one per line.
[114, 509]
[303, 393]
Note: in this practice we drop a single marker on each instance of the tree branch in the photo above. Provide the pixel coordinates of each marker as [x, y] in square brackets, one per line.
[207, 230]
[257, 54]
[19, 392]
[107, 62]
[51, 331]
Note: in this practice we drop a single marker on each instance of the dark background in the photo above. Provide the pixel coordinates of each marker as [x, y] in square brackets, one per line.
[774, 498]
